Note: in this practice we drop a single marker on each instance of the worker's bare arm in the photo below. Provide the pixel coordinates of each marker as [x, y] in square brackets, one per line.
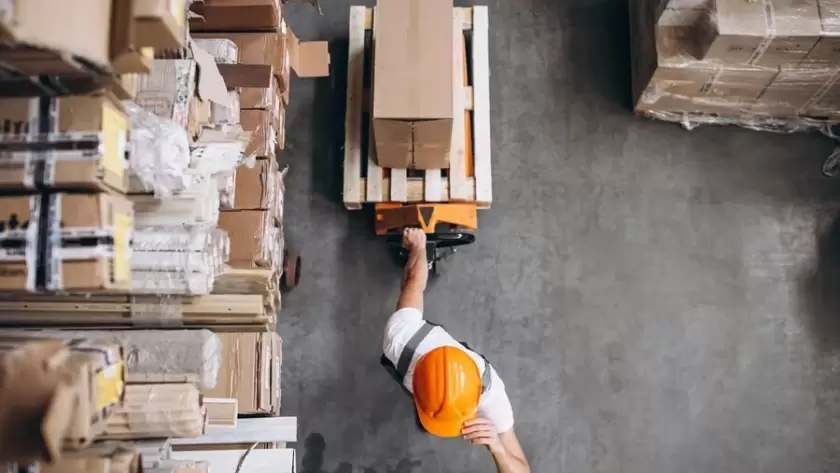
[505, 447]
[416, 270]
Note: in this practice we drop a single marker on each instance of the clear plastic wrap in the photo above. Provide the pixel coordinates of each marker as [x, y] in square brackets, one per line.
[152, 411]
[226, 183]
[178, 466]
[176, 259]
[196, 206]
[156, 356]
[223, 50]
[767, 64]
[226, 114]
[159, 152]
[109, 457]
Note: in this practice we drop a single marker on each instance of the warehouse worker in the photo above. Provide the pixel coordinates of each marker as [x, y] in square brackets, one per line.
[455, 390]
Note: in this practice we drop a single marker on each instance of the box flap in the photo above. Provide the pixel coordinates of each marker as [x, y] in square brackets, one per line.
[309, 58]
[211, 85]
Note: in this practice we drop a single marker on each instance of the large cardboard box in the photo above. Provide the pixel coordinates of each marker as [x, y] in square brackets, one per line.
[254, 241]
[65, 242]
[236, 15]
[160, 23]
[256, 186]
[792, 91]
[826, 53]
[412, 83]
[250, 372]
[751, 33]
[76, 28]
[55, 395]
[38, 151]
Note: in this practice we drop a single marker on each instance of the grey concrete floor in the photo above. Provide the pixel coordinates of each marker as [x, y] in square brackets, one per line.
[657, 300]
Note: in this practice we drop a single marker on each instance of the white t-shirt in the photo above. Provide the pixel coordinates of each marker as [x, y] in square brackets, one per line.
[494, 404]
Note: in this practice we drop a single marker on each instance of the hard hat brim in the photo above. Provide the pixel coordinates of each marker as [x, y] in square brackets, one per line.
[445, 429]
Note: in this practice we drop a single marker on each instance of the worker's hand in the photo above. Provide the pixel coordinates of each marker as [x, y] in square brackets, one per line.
[482, 432]
[414, 239]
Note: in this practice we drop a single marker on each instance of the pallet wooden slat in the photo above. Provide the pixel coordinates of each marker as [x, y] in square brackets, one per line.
[250, 430]
[399, 185]
[459, 187]
[374, 172]
[353, 119]
[481, 106]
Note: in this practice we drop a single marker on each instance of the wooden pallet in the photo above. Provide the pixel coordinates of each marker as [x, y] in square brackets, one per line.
[365, 181]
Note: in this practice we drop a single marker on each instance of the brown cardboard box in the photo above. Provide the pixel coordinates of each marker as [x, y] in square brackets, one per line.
[98, 119]
[745, 38]
[259, 98]
[249, 364]
[126, 54]
[36, 402]
[236, 15]
[826, 103]
[160, 23]
[87, 245]
[412, 83]
[252, 238]
[826, 53]
[263, 134]
[255, 186]
[76, 28]
[792, 91]
[62, 392]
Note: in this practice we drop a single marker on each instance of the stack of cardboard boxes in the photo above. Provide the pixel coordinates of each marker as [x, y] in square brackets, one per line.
[149, 197]
[764, 63]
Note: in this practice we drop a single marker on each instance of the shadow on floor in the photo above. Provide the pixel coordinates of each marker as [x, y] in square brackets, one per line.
[820, 294]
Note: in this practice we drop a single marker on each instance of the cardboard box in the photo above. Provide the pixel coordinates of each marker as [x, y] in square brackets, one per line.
[254, 240]
[259, 98]
[792, 91]
[745, 36]
[826, 103]
[263, 135]
[76, 28]
[412, 88]
[65, 242]
[127, 56]
[826, 53]
[250, 372]
[255, 186]
[236, 15]
[160, 23]
[97, 123]
[55, 395]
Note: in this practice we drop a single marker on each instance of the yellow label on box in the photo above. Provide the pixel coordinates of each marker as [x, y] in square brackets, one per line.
[114, 131]
[122, 228]
[176, 7]
[110, 385]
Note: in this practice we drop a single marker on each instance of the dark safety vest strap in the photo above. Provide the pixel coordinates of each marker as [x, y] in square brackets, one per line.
[398, 372]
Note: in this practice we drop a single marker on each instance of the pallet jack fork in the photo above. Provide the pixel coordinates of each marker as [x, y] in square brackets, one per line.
[447, 226]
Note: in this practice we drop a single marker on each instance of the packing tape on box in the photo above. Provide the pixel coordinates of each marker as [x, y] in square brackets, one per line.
[770, 34]
[37, 147]
[44, 243]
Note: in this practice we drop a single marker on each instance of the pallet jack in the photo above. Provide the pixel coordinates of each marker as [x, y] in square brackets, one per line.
[447, 227]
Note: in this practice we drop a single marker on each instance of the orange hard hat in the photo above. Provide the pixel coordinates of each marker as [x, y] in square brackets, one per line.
[447, 388]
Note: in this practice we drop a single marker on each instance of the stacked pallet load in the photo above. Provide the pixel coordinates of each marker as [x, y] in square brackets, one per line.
[769, 64]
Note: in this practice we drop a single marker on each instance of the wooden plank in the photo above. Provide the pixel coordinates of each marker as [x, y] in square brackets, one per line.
[257, 461]
[398, 185]
[415, 188]
[222, 411]
[459, 186]
[252, 430]
[465, 13]
[353, 117]
[481, 106]
[433, 186]
[374, 172]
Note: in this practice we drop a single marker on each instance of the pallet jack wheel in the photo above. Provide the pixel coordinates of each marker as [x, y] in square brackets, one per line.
[291, 270]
